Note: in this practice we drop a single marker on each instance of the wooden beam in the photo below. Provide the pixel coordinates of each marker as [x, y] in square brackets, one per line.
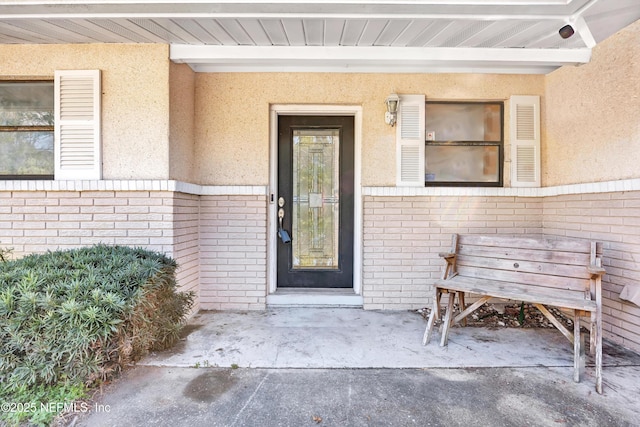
[473, 307]
[555, 321]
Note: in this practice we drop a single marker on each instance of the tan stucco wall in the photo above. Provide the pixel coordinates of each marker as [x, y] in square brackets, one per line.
[135, 98]
[591, 123]
[182, 118]
[232, 114]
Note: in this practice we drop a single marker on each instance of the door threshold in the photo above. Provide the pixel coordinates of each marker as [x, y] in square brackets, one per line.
[314, 297]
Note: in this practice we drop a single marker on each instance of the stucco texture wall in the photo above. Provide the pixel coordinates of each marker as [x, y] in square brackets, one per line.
[232, 114]
[181, 124]
[135, 98]
[591, 122]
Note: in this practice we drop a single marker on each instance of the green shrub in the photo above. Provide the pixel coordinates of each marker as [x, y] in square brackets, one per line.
[70, 319]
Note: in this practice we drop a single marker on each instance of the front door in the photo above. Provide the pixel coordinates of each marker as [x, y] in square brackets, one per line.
[315, 200]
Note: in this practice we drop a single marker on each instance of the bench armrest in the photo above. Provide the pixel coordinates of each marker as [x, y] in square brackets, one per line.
[450, 266]
[447, 255]
[596, 270]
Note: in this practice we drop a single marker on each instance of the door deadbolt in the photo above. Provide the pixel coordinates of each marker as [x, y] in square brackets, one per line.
[281, 201]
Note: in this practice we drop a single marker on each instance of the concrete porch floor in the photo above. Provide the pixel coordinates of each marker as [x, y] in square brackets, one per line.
[311, 362]
[354, 338]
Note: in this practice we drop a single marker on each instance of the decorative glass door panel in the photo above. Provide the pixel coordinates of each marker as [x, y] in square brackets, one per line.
[315, 201]
[316, 198]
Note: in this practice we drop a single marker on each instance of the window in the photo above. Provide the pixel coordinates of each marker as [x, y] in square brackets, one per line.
[26, 130]
[464, 143]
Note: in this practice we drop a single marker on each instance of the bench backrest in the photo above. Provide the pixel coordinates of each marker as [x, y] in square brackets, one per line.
[540, 261]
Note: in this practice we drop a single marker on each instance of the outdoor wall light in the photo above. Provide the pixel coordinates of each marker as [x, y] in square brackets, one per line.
[566, 31]
[391, 115]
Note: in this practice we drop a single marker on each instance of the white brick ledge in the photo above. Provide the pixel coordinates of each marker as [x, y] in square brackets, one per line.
[595, 187]
[135, 185]
[263, 190]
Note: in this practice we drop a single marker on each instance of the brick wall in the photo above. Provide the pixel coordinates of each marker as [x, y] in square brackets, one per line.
[233, 254]
[37, 221]
[219, 242]
[403, 235]
[186, 237]
[613, 219]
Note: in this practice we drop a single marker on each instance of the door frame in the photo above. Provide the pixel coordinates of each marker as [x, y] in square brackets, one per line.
[276, 110]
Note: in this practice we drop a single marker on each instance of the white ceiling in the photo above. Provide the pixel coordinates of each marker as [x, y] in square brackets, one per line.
[503, 36]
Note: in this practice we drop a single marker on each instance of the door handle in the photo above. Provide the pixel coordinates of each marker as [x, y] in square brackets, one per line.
[280, 217]
[282, 233]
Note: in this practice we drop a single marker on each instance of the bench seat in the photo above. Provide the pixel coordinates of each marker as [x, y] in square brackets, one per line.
[519, 292]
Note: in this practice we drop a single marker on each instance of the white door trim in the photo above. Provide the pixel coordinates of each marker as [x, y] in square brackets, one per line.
[354, 111]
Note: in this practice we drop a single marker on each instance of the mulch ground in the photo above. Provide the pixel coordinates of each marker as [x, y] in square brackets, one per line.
[507, 316]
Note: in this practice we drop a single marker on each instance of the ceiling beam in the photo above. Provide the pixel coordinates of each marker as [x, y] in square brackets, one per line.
[375, 59]
[199, 53]
[425, 68]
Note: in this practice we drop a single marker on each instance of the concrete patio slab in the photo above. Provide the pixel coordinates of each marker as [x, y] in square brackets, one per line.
[349, 367]
[355, 338]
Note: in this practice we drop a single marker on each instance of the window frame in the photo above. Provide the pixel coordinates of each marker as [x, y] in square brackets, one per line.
[499, 144]
[39, 128]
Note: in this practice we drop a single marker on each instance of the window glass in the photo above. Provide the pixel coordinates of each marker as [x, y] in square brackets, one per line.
[455, 163]
[26, 153]
[26, 130]
[464, 143]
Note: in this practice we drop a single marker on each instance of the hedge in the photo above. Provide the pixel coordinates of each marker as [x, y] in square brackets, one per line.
[73, 318]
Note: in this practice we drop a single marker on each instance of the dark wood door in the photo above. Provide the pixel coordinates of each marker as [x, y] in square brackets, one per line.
[315, 185]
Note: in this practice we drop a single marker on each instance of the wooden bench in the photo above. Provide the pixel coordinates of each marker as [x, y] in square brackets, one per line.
[541, 271]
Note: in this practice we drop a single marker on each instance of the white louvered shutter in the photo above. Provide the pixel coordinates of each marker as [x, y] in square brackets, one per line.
[410, 141]
[525, 141]
[77, 125]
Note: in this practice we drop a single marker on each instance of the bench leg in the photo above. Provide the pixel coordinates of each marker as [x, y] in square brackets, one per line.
[578, 348]
[427, 332]
[435, 314]
[592, 334]
[598, 341]
[462, 307]
[446, 323]
[437, 303]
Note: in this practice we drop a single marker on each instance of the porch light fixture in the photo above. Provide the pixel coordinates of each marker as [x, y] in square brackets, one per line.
[566, 31]
[391, 115]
